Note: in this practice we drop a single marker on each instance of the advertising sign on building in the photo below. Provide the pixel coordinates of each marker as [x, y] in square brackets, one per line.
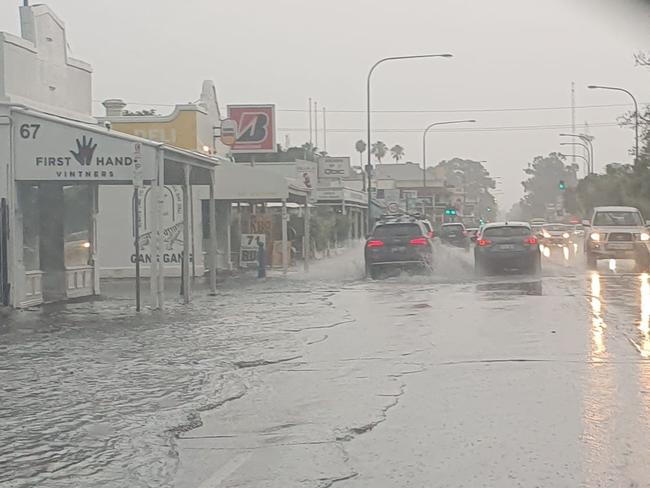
[306, 173]
[334, 167]
[249, 248]
[171, 225]
[255, 128]
[54, 151]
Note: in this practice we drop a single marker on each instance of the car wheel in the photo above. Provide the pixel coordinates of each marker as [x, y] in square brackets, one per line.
[374, 273]
[480, 268]
[592, 262]
[535, 268]
[642, 262]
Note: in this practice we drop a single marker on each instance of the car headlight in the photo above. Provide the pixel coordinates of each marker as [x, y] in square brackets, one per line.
[595, 236]
[644, 236]
[565, 235]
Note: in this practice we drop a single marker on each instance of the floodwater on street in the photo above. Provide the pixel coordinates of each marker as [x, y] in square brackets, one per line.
[329, 378]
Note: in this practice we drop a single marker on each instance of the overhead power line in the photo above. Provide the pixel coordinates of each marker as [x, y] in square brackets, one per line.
[467, 129]
[424, 111]
[465, 110]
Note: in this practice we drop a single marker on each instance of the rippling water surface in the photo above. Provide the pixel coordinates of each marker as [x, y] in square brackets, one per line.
[93, 395]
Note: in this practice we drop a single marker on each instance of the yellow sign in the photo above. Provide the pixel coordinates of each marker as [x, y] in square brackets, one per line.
[179, 131]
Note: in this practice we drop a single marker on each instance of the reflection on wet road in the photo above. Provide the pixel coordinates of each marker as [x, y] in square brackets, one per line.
[333, 379]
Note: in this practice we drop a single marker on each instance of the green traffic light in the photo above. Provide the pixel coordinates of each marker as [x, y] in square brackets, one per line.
[562, 185]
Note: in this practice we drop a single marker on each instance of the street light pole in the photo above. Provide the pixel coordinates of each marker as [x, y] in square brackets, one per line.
[372, 69]
[586, 160]
[636, 114]
[584, 146]
[588, 140]
[424, 144]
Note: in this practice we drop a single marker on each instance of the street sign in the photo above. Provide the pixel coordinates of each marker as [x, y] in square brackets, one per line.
[249, 248]
[228, 132]
[138, 171]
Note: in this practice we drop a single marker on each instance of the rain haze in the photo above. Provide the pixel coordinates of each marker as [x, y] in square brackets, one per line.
[508, 54]
[212, 277]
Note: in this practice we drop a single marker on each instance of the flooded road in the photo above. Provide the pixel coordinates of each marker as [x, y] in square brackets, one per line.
[331, 379]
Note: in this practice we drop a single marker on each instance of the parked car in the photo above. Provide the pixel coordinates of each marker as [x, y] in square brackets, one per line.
[400, 243]
[617, 233]
[454, 234]
[507, 245]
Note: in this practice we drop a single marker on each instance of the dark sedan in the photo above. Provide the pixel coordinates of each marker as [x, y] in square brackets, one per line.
[507, 246]
[455, 235]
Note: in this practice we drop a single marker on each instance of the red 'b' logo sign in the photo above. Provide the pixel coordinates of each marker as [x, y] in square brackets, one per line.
[255, 128]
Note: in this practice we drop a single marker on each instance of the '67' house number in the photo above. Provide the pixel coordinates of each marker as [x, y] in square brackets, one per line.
[29, 131]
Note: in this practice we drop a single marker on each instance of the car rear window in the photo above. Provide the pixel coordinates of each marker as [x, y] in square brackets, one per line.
[509, 231]
[398, 230]
[452, 229]
[556, 227]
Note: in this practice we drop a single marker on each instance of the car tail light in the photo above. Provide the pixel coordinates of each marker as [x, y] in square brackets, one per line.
[419, 241]
[532, 240]
[375, 243]
[464, 233]
[484, 242]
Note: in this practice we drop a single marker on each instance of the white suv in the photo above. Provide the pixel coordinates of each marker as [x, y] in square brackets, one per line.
[617, 233]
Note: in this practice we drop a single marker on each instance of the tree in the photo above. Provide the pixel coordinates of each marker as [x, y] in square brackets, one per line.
[474, 179]
[397, 152]
[360, 146]
[379, 150]
[542, 185]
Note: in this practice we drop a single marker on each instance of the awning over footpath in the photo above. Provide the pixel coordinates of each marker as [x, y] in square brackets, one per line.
[238, 183]
[51, 148]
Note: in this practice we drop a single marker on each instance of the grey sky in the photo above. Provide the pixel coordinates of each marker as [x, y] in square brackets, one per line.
[508, 53]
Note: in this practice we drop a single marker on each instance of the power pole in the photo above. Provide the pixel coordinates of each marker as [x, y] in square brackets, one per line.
[324, 129]
[310, 128]
[573, 118]
[315, 123]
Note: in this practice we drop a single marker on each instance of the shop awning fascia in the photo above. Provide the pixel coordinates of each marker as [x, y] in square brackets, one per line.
[238, 183]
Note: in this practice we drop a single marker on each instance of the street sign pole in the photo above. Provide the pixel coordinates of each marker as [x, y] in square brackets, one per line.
[136, 225]
[137, 184]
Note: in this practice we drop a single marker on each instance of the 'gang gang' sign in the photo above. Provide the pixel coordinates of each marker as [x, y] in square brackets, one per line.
[50, 150]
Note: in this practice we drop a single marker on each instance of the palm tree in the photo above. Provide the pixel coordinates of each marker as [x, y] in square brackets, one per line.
[379, 150]
[397, 152]
[360, 146]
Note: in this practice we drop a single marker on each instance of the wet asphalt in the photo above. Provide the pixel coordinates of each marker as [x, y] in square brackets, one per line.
[331, 379]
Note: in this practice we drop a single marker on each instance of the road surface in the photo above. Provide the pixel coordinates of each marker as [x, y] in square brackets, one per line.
[334, 380]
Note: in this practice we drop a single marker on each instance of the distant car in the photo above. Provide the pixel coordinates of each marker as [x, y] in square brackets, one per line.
[454, 234]
[507, 245]
[579, 231]
[557, 237]
[400, 243]
[618, 233]
[472, 232]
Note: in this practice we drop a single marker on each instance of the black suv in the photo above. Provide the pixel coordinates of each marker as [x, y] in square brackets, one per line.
[402, 243]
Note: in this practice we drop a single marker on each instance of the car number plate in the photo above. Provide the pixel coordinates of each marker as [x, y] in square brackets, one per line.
[506, 247]
[452, 235]
[399, 248]
[623, 246]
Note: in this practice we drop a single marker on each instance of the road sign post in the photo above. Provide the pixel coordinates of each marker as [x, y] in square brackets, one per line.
[137, 185]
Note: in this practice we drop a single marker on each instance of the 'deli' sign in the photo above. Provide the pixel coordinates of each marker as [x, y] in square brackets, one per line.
[50, 150]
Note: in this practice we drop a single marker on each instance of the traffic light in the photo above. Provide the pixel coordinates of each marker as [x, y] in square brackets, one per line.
[450, 211]
[562, 185]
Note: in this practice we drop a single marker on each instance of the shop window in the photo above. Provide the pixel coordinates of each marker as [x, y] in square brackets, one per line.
[77, 218]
